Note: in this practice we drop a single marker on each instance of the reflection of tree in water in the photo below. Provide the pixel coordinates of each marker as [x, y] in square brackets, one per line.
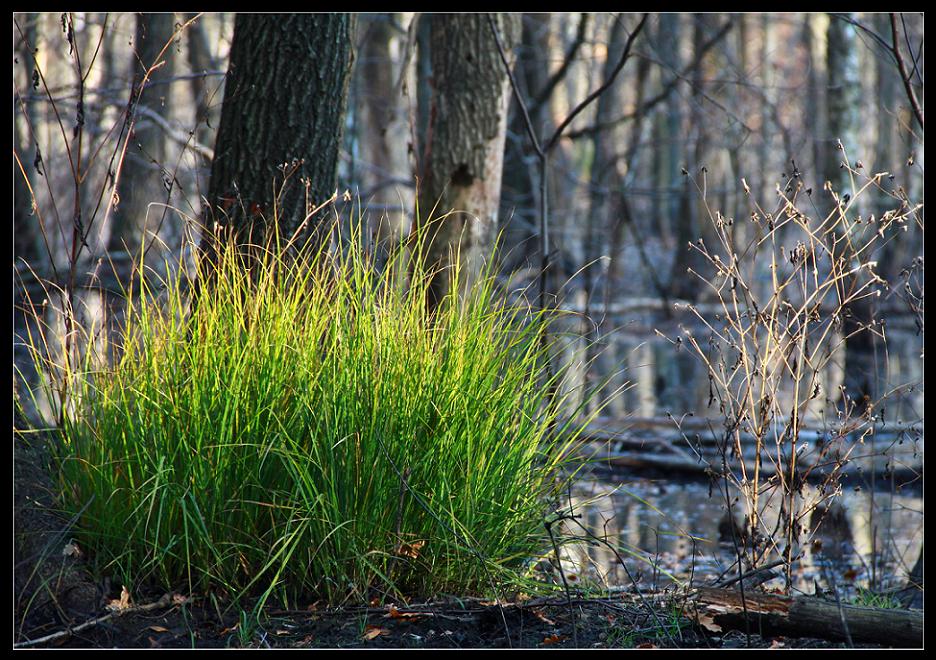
[832, 531]
[678, 380]
[839, 535]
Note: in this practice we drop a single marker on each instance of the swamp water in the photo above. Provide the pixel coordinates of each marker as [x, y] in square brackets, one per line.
[669, 528]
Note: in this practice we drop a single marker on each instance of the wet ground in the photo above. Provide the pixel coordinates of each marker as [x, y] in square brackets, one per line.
[678, 530]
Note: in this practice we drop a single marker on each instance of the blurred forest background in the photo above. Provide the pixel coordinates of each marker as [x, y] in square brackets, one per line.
[704, 107]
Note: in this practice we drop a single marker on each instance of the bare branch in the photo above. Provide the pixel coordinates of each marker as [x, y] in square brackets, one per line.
[904, 73]
[557, 77]
[664, 93]
[594, 95]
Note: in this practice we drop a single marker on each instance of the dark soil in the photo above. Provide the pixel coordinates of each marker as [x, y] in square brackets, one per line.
[442, 625]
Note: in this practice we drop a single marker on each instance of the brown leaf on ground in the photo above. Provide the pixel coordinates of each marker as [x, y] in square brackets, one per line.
[707, 621]
[394, 613]
[371, 632]
[538, 613]
[122, 603]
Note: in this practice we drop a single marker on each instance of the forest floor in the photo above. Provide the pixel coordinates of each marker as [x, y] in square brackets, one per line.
[56, 597]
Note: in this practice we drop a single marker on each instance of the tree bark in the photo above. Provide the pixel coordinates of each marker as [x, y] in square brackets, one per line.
[141, 178]
[200, 61]
[465, 145]
[690, 225]
[382, 140]
[807, 616]
[281, 123]
[27, 238]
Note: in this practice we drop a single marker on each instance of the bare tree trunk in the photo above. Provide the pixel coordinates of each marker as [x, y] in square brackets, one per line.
[281, 123]
[672, 180]
[206, 96]
[520, 186]
[27, 237]
[813, 109]
[142, 178]
[465, 140]
[690, 220]
[383, 170]
[843, 122]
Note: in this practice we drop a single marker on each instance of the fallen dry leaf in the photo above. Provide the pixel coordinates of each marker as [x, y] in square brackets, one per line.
[158, 629]
[553, 639]
[394, 613]
[708, 622]
[370, 632]
[542, 617]
[122, 603]
[647, 645]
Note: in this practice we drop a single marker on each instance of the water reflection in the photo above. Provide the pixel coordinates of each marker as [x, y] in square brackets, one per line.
[669, 530]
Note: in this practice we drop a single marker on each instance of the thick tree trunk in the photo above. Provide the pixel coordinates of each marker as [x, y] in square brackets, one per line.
[281, 125]
[141, 179]
[465, 144]
[807, 616]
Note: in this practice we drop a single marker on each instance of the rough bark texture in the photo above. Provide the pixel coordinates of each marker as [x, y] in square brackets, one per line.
[284, 103]
[141, 179]
[805, 616]
[465, 140]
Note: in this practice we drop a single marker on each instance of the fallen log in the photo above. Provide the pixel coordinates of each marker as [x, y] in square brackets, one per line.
[805, 616]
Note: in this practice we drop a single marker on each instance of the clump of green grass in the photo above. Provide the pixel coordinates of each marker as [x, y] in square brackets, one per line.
[868, 598]
[307, 428]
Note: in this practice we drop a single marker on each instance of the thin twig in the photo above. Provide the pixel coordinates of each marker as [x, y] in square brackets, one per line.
[163, 602]
[904, 74]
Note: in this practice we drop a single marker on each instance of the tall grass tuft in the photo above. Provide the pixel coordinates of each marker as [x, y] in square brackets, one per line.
[309, 430]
